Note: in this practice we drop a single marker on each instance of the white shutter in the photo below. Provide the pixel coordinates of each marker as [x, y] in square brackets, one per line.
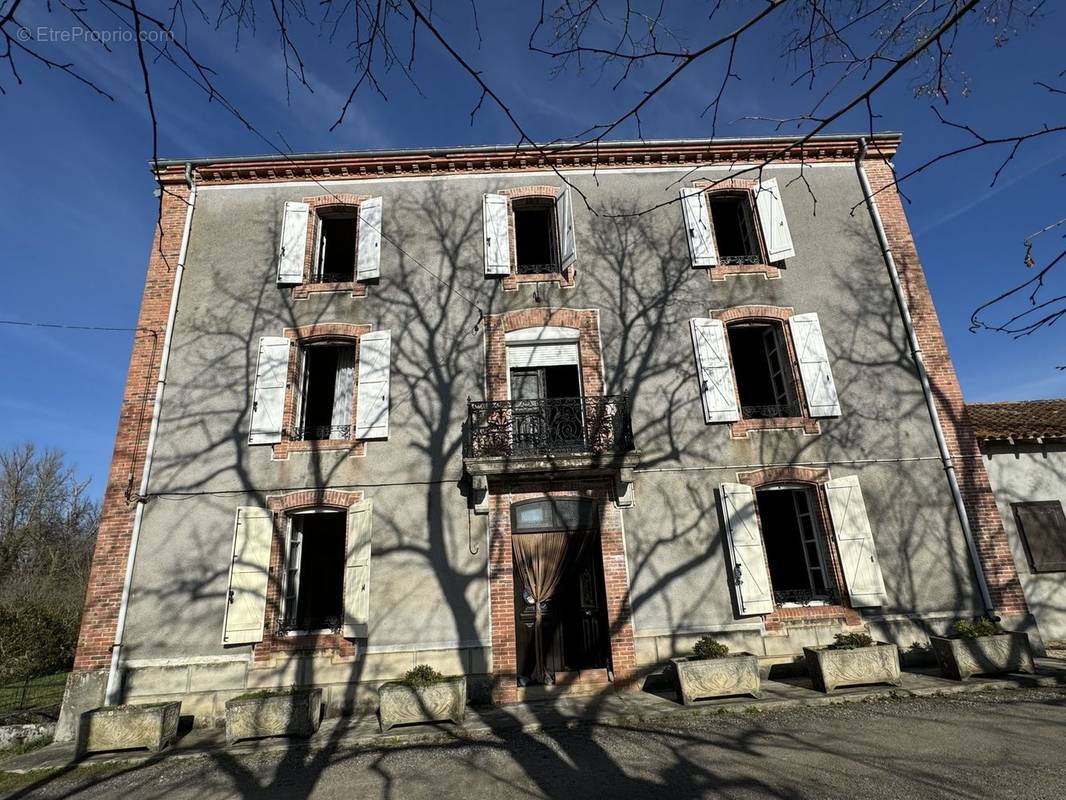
[293, 243]
[357, 571]
[814, 367]
[564, 219]
[368, 263]
[248, 575]
[268, 397]
[497, 235]
[714, 370]
[855, 542]
[748, 571]
[701, 245]
[541, 355]
[343, 388]
[372, 409]
[772, 220]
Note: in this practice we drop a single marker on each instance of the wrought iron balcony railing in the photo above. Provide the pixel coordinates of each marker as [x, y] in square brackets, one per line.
[538, 269]
[311, 433]
[790, 409]
[566, 426]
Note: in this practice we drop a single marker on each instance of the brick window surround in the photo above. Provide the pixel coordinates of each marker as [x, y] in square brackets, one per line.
[497, 326]
[302, 337]
[273, 642]
[502, 588]
[320, 205]
[720, 272]
[813, 479]
[780, 315]
[565, 279]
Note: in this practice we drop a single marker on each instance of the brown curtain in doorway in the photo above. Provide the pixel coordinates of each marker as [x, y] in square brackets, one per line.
[540, 559]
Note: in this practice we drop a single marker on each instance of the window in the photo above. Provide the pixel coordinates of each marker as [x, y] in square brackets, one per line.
[336, 247]
[1043, 528]
[326, 392]
[314, 571]
[536, 250]
[734, 228]
[762, 370]
[794, 552]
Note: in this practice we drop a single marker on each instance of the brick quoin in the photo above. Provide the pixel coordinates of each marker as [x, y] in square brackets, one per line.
[991, 539]
[104, 593]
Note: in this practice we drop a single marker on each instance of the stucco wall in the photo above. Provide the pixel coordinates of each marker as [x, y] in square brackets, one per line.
[1025, 473]
[428, 584]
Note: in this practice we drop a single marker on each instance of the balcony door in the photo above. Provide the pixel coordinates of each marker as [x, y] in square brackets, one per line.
[547, 413]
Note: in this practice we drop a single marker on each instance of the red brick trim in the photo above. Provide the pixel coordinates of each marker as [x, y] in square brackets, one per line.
[497, 326]
[805, 422]
[720, 272]
[511, 282]
[318, 205]
[779, 618]
[100, 619]
[991, 539]
[302, 336]
[273, 643]
[501, 582]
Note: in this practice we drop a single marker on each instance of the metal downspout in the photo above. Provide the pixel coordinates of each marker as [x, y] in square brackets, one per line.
[111, 695]
[919, 363]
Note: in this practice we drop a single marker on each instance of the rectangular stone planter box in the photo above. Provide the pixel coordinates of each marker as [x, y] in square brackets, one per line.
[284, 714]
[401, 705]
[831, 669]
[700, 678]
[128, 727]
[1002, 652]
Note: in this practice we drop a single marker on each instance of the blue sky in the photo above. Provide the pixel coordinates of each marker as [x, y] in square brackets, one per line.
[78, 210]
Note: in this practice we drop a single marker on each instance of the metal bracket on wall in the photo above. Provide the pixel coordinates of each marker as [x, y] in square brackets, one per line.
[625, 489]
[480, 486]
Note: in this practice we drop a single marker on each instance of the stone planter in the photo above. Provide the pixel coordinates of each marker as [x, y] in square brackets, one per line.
[699, 678]
[1002, 652]
[831, 669]
[400, 704]
[283, 714]
[152, 725]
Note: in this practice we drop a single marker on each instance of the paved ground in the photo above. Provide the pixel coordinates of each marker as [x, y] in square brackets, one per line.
[1001, 744]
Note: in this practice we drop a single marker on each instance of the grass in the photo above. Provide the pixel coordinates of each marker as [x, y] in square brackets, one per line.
[36, 693]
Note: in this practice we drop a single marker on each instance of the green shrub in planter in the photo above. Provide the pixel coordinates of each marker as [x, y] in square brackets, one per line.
[707, 647]
[975, 628]
[420, 676]
[422, 695]
[851, 641]
[980, 647]
[712, 671]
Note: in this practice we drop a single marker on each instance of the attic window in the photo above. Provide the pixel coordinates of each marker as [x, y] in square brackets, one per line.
[326, 392]
[336, 247]
[734, 228]
[763, 375]
[535, 233]
[314, 571]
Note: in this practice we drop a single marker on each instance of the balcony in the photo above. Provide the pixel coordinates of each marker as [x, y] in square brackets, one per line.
[590, 434]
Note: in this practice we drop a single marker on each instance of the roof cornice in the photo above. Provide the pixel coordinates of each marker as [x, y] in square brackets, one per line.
[503, 158]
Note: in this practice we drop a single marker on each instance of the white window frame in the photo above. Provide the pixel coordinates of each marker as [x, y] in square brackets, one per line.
[286, 568]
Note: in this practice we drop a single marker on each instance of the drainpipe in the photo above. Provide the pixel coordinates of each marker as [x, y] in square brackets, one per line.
[919, 363]
[111, 695]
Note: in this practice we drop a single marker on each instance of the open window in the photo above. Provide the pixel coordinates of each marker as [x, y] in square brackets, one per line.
[733, 219]
[762, 370]
[545, 383]
[326, 392]
[795, 553]
[314, 571]
[337, 246]
[529, 235]
[536, 249]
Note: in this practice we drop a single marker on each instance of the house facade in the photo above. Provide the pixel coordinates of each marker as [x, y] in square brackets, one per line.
[542, 417]
[1024, 448]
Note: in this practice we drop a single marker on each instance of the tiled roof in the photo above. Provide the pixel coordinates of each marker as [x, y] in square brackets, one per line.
[1028, 419]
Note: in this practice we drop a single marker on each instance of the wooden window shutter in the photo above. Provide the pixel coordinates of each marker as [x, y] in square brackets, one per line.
[772, 220]
[564, 219]
[372, 407]
[357, 571]
[855, 542]
[700, 234]
[815, 372]
[496, 218]
[748, 571]
[268, 396]
[249, 570]
[714, 370]
[1043, 528]
[368, 262]
[293, 243]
